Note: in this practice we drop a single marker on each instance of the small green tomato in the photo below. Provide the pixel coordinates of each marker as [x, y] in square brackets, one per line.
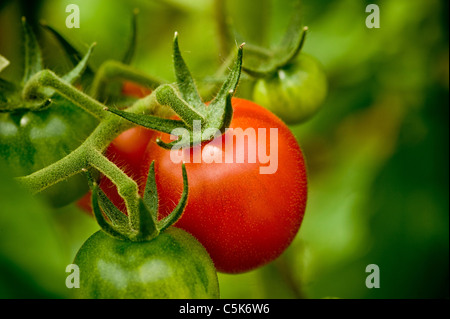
[173, 265]
[295, 92]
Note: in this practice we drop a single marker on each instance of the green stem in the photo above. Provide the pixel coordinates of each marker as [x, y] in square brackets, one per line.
[127, 187]
[117, 71]
[98, 141]
[47, 78]
[223, 27]
[68, 166]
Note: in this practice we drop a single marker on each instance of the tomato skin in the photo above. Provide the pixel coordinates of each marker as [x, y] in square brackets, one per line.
[243, 218]
[135, 90]
[32, 140]
[296, 92]
[172, 265]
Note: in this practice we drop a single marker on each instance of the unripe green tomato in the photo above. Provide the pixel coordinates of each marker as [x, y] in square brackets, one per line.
[32, 140]
[296, 92]
[174, 265]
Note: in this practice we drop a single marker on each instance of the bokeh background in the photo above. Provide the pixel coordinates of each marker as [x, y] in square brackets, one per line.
[377, 151]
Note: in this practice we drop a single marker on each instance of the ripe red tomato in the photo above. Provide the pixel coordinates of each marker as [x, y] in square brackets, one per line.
[244, 219]
[133, 89]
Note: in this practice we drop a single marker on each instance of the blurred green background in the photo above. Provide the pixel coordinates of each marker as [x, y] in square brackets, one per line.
[377, 151]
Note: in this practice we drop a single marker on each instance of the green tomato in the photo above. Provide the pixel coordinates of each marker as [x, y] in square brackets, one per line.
[174, 265]
[295, 92]
[32, 140]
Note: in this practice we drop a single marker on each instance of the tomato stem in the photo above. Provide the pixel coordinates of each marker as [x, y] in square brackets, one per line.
[223, 27]
[127, 187]
[46, 78]
[109, 128]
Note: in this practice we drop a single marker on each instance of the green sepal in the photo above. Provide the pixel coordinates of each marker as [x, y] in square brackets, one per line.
[150, 121]
[222, 114]
[280, 59]
[98, 214]
[73, 75]
[147, 226]
[220, 110]
[178, 211]
[151, 192]
[185, 82]
[33, 56]
[73, 54]
[147, 229]
[117, 218]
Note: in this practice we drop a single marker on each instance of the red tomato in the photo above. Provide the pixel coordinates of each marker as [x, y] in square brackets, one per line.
[244, 219]
[133, 89]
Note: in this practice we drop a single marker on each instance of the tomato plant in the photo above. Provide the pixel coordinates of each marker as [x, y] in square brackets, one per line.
[294, 92]
[245, 219]
[172, 265]
[239, 214]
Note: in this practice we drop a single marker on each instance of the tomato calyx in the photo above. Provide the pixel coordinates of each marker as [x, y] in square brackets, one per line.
[277, 60]
[12, 97]
[143, 226]
[201, 123]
